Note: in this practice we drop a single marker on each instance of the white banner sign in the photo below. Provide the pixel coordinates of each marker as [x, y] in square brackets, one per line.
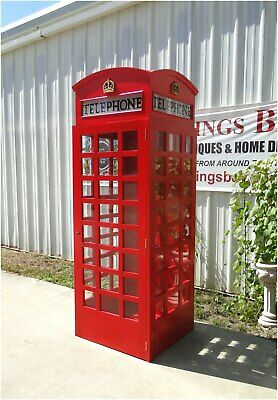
[231, 140]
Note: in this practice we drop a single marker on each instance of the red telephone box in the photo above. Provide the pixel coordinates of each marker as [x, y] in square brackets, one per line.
[134, 163]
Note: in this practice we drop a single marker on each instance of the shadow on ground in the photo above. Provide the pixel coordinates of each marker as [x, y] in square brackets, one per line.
[224, 354]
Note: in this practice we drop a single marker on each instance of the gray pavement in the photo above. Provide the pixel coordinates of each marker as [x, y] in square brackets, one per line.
[42, 359]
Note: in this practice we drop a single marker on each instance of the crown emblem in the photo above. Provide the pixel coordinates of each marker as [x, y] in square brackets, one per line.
[175, 88]
[109, 86]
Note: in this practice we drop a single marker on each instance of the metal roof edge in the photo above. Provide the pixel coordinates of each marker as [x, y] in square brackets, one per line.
[54, 21]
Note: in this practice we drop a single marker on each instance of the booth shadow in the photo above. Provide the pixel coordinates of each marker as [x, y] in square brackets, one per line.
[225, 354]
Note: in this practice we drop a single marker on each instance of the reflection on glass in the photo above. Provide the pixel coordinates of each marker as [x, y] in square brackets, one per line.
[160, 141]
[173, 279]
[158, 238]
[186, 189]
[87, 189]
[173, 212]
[159, 308]
[87, 144]
[108, 142]
[88, 234]
[159, 262]
[187, 166]
[173, 301]
[173, 234]
[108, 189]
[174, 166]
[130, 239]
[88, 255]
[88, 211]
[130, 215]
[130, 166]
[109, 304]
[109, 236]
[131, 286]
[159, 191]
[108, 166]
[109, 282]
[89, 299]
[159, 286]
[130, 190]
[187, 144]
[186, 211]
[130, 262]
[174, 142]
[130, 141]
[174, 189]
[131, 310]
[109, 213]
[160, 166]
[159, 215]
[89, 277]
[87, 166]
[109, 259]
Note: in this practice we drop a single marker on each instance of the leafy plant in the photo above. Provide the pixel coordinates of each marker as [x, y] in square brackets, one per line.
[254, 207]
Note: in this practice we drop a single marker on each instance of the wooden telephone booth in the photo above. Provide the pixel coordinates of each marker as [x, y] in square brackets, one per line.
[134, 163]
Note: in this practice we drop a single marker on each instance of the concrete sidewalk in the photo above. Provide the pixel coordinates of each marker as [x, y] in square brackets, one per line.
[42, 359]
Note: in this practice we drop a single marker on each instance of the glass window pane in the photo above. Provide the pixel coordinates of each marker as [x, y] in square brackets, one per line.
[109, 259]
[130, 166]
[89, 278]
[130, 141]
[130, 190]
[130, 239]
[88, 234]
[160, 141]
[187, 166]
[185, 294]
[109, 236]
[130, 262]
[130, 215]
[173, 301]
[108, 142]
[158, 238]
[87, 166]
[88, 211]
[160, 166]
[159, 285]
[109, 282]
[173, 234]
[159, 308]
[186, 189]
[173, 212]
[89, 299]
[109, 304]
[187, 148]
[174, 189]
[159, 215]
[173, 279]
[131, 310]
[174, 166]
[131, 286]
[159, 262]
[86, 144]
[186, 211]
[159, 191]
[173, 257]
[186, 231]
[88, 256]
[174, 142]
[108, 189]
[185, 252]
[109, 213]
[108, 166]
[87, 189]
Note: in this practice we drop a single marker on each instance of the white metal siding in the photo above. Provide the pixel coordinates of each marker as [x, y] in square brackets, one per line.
[228, 50]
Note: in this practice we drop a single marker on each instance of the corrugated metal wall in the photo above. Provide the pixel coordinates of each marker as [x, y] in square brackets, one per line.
[228, 49]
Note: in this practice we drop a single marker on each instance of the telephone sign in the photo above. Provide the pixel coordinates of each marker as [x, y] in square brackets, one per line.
[134, 167]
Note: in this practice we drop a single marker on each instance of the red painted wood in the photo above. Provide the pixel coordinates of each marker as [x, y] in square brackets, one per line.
[142, 307]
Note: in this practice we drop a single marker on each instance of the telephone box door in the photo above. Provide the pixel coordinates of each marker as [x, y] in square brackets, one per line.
[111, 265]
